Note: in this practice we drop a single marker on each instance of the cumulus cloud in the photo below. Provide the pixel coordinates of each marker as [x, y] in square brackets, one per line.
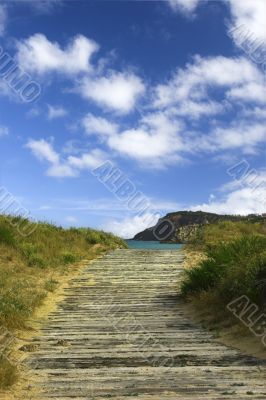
[193, 82]
[248, 92]
[98, 125]
[240, 134]
[43, 150]
[241, 202]
[186, 7]
[112, 90]
[130, 226]
[38, 54]
[69, 167]
[61, 171]
[251, 14]
[117, 91]
[246, 194]
[156, 141]
[56, 112]
[196, 109]
[88, 160]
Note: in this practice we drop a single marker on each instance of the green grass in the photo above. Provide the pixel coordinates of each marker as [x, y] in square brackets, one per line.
[223, 232]
[235, 265]
[28, 266]
[231, 270]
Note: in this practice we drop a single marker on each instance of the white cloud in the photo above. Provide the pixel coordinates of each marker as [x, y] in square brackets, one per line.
[43, 150]
[71, 219]
[88, 160]
[250, 92]
[38, 54]
[68, 167]
[245, 136]
[193, 82]
[3, 19]
[130, 226]
[117, 91]
[186, 7]
[56, 112]
[61, 171]
[196, 109]
[98, 125]
[251, 14]
[155, 142]
[242, 202]
[4, 131]
[255, 112]
[244, 195]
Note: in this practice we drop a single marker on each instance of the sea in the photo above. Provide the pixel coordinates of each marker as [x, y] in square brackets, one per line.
[152, 245]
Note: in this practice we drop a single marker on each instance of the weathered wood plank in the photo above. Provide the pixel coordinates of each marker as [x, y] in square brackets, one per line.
[122, 333]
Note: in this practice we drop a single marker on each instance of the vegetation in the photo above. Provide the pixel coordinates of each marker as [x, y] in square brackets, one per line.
[235, 265]
[30, 264]
[226, 231]
[8, 373]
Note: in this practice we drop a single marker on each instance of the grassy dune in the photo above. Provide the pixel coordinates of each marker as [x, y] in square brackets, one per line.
[29, 263]
[234, 265]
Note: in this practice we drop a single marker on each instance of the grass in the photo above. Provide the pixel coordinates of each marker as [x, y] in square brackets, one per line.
[223, 232]
[234, 265]
[28, 266]
[231, 269]
[8, 373]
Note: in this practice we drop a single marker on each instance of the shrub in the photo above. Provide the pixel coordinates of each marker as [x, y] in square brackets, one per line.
[50, 285]
[93, 237]
[6, 236]
[231, 269]
[69, 258]
[36, 261]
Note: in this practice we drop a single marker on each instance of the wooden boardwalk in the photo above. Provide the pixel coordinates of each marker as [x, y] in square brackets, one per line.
[121, 333]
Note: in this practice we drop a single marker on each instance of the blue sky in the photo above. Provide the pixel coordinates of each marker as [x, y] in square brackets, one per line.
[159, 90]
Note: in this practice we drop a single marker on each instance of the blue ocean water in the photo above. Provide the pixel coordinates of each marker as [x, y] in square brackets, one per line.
[139, 244]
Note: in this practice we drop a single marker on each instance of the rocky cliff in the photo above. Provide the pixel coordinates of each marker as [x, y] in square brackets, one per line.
[185, 225]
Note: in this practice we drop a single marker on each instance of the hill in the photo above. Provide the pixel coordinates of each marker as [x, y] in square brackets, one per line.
[185, 225]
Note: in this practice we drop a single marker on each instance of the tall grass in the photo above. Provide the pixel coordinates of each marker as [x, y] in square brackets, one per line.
[28, 265]
[231, 270]
[235, 265]
[223, 232]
